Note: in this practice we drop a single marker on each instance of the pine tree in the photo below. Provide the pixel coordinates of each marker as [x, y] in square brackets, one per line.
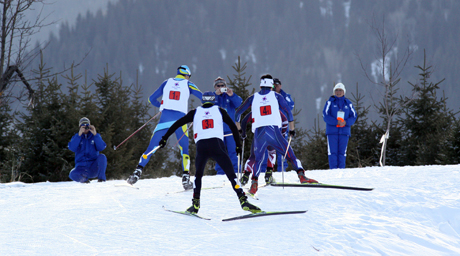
[311, 147]
[362, 149]
[426, 122]
[240, 84]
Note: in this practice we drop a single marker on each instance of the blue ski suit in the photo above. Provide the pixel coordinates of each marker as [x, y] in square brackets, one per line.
[89, 163]
[229, 104]
[337, 137]
[290, 103]
[168, 117]
[269, 137]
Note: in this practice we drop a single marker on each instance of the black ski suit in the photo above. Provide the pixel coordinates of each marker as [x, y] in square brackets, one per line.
[211, 148]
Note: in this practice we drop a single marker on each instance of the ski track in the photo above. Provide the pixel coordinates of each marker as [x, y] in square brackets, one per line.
[412, 211]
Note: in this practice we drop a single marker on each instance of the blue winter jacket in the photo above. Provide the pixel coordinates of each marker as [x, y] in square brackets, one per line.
[86, 148]
[229, 103]
[288, 99]
[333, 105]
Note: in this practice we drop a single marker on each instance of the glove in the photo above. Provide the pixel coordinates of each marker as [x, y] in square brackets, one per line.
[292, 133]
[162, 142]
[238, 150]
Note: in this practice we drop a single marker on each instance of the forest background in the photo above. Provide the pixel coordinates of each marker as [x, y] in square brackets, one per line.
[129, 49]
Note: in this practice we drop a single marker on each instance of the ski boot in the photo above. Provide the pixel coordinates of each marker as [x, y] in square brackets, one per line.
[245, 205]
[254, 185]
[245, 178]
[269, 176]
[186, 181]
[195, 206]
[303, 178]
[133, 178]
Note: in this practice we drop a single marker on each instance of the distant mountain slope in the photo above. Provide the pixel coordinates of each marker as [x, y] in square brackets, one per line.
[308, 45]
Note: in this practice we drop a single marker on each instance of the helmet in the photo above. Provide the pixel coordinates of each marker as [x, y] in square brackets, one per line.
[208, 97]
[184, 70]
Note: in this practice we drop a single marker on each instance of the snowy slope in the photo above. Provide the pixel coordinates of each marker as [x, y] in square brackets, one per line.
[412, 211]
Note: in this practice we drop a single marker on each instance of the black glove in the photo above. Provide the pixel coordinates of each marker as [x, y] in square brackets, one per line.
[292, 133]
[162, 142]
[239, 149]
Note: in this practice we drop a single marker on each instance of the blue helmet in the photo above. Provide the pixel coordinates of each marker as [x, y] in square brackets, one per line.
[184, 70]
[208, 97]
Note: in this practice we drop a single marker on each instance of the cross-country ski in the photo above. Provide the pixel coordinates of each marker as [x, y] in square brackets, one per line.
[261, 214]
[319, 185]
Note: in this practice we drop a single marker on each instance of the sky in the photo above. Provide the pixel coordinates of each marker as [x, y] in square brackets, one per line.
[411, 211]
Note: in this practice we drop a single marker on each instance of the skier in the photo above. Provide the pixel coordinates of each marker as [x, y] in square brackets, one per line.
[265, 106]
[229, 101]
[277, 88]
[89, 163]
[175, 93]
[339, 115]
[208, 121]
[270, 154]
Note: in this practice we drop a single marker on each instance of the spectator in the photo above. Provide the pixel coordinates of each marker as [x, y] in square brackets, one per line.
[89, 163]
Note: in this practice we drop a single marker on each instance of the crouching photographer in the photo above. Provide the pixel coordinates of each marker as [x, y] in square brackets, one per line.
[89, 163]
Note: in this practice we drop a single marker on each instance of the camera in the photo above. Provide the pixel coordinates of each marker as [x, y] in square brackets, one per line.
[223, 89]
[86, 126]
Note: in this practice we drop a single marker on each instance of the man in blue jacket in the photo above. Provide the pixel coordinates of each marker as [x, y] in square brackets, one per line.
[339, 115]
[89, 163]
[228, 100]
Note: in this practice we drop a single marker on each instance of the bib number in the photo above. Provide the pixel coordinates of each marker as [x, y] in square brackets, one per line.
[207, 123]
[174, 95]
[265, 110]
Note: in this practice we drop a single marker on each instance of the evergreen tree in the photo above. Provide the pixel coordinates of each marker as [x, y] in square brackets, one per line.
[310, 147]
[362, 147]
[9, 160]
[427, 121]
[240, 85]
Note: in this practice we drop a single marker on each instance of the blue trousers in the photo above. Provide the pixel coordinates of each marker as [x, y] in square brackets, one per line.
[229, 142]
[92, 170]
[337, 150]
[270, 137]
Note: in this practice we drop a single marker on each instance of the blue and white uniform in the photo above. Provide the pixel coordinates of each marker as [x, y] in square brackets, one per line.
[174, 93]
[267, 123]
[337, 137]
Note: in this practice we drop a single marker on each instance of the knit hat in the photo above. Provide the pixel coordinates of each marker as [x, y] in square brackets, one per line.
[84, 120]
[276, 81]
[220, 80]
[339, 86]
[184, 70]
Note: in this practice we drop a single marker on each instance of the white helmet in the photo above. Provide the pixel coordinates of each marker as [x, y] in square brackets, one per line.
[339, 86]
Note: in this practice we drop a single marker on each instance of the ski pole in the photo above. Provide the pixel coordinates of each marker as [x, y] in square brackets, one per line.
[151, 152]
[284, 157]
[240, 169]
[115, 148]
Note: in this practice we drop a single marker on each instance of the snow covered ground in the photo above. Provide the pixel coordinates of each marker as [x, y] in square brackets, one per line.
[411, 211]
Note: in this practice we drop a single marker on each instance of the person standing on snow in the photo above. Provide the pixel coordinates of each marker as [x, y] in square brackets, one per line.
[265, 106]
[339, 115]
[175, 93]
[89, 163]
[272, 156]
[229, 101]
[208, 127]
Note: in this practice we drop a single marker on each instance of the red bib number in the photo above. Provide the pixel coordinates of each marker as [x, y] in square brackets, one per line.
[265, 110]
[207, 123]
[174, 95]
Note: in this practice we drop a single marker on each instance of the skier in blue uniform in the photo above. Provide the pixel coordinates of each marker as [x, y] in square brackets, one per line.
[208, 126]
[266, 122]
[277, 87]
[175, 93]
[229, 101]
[339, 115]
[89, 163]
